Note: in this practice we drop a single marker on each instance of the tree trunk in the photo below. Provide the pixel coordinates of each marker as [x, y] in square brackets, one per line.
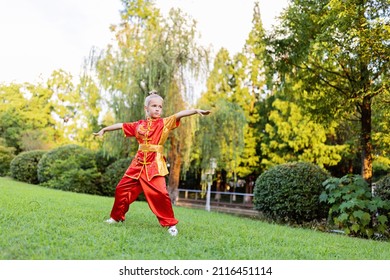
[366, 139]
[174, 157]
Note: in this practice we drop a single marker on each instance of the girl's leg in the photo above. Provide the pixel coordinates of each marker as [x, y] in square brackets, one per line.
[126, 192]
[158, 199]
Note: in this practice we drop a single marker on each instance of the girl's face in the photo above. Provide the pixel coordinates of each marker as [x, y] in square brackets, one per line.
[154, 108]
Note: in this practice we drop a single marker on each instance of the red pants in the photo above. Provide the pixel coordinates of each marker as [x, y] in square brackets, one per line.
[156, 195]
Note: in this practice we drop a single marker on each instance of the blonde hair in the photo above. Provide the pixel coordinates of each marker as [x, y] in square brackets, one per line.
[152, 94]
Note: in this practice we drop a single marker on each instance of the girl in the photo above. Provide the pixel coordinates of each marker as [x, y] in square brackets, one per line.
[148, 168]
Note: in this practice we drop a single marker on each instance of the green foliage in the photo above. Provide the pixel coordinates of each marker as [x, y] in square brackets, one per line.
[6, 156]
[250, 77]
[113, 173]
[291, 135]
[46, 115]
[382, 188]
[336, 54]
[11, 121]
[70, 168]
[353, 209]
[217, 139]
[103, 160]
[381, 167]
[232, 90]
[290, 192]
[24, 167]
[88, 111]
[26, 121]
[381, 136]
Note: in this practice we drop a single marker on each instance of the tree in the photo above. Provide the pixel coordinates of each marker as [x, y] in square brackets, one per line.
[222, 136]
[89, 107]
[66, 105]
[250, 88]
[293, 136]
[49, 113]
[26, 121]
[339, 51]
[11, 121]
[6, 156]
[381, 136]
[241, 81]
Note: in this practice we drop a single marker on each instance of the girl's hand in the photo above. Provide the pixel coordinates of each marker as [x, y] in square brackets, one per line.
[108, 128]
[203, 112]
[100, 133]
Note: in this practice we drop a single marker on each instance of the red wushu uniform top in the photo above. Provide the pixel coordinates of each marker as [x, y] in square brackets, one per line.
[151, 135]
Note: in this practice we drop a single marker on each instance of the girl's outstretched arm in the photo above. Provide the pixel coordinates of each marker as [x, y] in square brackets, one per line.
[108, 128]
[186, 113]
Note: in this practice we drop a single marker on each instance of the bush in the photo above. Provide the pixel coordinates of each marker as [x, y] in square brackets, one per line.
[103, 161]
[6, 156]
[290, 193]
[70, 168]
[380, 168]
[113, 174]
[383, 188]
[24, 167]
[353, 208]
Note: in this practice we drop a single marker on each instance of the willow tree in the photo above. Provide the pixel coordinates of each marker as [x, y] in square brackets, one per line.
[151, 52]
[338, 51]
[222, 133]
[222, 136]
[87, 112]
[240, 80]
[67, 106]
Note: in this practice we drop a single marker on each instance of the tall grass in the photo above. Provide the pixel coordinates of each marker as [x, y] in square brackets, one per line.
[38, 223]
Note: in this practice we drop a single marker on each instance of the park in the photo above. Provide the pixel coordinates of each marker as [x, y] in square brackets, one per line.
[296, 136]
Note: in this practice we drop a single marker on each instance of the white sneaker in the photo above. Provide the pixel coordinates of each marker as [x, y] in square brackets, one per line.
[111, 221]
[173, 230]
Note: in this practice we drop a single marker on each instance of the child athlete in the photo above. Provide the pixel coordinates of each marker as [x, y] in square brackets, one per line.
[148, 168]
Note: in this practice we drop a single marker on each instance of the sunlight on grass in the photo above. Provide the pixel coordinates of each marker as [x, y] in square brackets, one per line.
[40, 223]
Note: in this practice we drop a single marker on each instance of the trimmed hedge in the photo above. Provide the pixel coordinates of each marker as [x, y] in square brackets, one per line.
[383, 188]
[24, 167]
[70, 168]
[103, 161]
[290, 193]
[114, 172]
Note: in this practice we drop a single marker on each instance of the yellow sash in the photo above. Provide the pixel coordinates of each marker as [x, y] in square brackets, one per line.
[151, 148]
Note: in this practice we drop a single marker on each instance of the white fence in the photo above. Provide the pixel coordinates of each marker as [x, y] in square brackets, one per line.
[233, 198]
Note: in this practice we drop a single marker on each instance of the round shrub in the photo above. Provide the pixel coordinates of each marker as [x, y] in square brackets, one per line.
[290, 193]
[383, 188]
[114, 172]
[70, 168]
[24, 167]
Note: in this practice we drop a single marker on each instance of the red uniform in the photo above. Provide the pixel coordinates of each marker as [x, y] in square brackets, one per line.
[147, 170]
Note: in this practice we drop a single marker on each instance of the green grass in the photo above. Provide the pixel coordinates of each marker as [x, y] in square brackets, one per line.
[38, 223]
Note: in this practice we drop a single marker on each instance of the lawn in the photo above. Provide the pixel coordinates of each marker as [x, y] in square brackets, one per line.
[38, 223]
